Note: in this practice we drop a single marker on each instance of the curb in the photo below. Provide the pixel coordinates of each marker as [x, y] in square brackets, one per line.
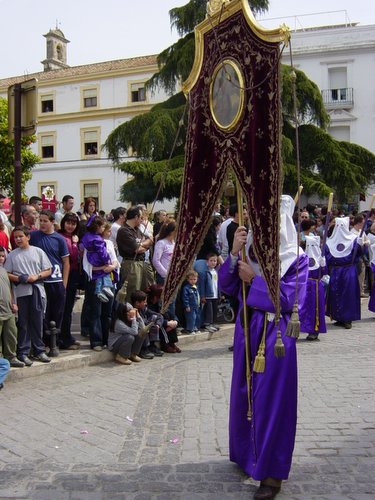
[69, 360]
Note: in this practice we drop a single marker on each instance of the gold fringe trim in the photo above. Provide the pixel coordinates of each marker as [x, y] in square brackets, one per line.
[294, 325]
[316, 306]
[260, 360]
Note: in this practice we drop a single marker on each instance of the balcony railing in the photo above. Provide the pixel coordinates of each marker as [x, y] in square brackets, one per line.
[338, 98]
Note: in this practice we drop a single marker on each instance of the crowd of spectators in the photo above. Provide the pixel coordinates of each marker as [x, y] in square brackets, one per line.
[120, 260]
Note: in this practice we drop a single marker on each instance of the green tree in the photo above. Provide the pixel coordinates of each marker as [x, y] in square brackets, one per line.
[326, 164]
[28, 158]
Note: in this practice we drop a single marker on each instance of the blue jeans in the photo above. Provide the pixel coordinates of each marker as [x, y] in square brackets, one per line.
[66, 337]
[4, 369]
[104, 281]
[100, 316]
[192, 318]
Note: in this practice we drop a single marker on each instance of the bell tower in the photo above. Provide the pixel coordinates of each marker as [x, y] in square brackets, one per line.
[56, 50]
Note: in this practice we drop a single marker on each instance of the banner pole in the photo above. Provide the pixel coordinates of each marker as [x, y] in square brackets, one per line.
[244, 297]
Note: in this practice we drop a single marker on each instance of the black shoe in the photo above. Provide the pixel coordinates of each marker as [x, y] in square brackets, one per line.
[155, 350]
[26, 360]
[348, 325]
[339, 323]
[312, 336]
[230, 348]
[265, 492]
[43, 358]
[16, 363]
[146, 354]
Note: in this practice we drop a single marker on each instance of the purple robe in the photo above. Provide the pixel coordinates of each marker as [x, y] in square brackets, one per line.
[371, 303]
[312, 312]
[344, 297]
[264, 446]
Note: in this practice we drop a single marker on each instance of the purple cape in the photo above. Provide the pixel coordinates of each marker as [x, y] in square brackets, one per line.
[264, 446]
[344, 298]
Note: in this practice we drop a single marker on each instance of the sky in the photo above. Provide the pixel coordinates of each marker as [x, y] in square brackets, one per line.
[116, 29]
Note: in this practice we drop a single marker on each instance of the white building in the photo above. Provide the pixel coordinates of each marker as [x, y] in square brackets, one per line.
[341, 61]
[78, 108]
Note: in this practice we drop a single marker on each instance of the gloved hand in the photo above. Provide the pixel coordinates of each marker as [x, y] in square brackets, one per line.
[322, 262]
[361, 241]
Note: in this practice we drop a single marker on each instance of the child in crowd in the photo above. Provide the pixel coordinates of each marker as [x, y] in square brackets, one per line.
[96, 258]
[8, 308]
[153, 323]
[169, 321]
[125, 340]
[27, 267]
[211, 296]
[191, 303]
[3, 256]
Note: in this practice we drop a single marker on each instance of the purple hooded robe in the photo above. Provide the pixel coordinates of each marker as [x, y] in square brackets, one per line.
[344, 297]
[371, 303]
[263, 447]
[312, 313]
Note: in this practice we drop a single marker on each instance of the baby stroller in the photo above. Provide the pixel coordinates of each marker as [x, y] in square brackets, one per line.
[225, 310]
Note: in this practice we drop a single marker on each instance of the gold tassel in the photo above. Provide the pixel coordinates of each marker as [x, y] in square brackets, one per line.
[260, 361]
[293, 328]
[279, 349]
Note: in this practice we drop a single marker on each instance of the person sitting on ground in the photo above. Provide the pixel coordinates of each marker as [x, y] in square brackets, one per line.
[125, 339]
[170, 322]
[153, 322]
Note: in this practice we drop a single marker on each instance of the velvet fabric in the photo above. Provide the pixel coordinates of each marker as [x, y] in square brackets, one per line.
[371, 302]
[344, 298]
[312, 311]
[251, 149]
[263, 447]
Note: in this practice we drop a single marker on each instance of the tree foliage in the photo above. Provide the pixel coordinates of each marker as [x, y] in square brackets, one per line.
[326, 164]
[28, 158]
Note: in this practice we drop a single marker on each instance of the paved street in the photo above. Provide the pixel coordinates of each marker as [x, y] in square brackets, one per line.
[158, 430]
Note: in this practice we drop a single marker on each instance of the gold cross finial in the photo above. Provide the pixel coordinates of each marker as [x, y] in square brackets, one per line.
[215, 5]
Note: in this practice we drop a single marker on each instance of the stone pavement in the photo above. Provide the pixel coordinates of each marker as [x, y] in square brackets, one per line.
[158, 429]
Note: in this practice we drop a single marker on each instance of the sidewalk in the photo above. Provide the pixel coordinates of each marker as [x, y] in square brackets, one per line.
[85, 356]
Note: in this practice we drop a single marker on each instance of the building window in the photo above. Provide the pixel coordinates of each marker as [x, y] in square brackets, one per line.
[91, 189]
[338, 83]
[138, 92]
[340, 132]
[90, 142]
[47, 103]
[47, 146]
[90, 98]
